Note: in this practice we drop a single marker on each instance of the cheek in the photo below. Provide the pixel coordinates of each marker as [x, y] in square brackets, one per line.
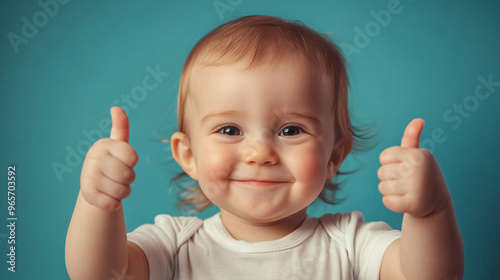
[213, 166]
[309, 168]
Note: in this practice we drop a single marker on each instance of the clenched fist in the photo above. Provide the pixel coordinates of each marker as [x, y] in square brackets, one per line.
[107, 171]
[410, 177]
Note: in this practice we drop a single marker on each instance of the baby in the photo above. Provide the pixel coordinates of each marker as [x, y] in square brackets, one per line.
[263, 128]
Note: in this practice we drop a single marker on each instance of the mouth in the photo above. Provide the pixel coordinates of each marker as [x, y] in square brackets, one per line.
[260, 183]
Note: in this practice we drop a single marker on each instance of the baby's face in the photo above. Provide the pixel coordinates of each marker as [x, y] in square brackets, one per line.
[261, 139]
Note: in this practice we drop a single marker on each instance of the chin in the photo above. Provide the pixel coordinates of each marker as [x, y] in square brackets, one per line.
[263, 214]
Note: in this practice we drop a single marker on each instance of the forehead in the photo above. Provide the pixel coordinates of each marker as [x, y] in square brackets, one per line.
[289, 81]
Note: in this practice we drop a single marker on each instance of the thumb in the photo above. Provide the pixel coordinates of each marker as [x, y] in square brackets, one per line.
[119, 129]
[411, 136]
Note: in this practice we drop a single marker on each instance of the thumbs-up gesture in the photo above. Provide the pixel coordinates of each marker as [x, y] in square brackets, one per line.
[410, 178]
[107, 171]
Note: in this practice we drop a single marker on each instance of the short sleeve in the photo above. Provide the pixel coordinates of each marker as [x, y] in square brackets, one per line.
[161, 240]
[365, 243]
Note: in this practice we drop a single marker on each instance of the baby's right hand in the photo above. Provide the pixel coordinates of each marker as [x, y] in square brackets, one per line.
[107, 171]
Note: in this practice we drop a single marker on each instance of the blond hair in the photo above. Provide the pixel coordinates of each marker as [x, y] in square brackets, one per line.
[257, 37]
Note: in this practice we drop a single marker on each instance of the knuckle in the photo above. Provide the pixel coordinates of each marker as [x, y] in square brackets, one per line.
[380, 173]
[133, 157]
[132, 176]
[92, 160]
[101, 143]
[386, 154]
[85, 191]
[124, 192]
[387, 202]
[425, 152]
[87, 181]
[128, 175]
[381, 187]
[417, 152]
[89, 194]
[403, 170]
[392, 149]
[381, 157]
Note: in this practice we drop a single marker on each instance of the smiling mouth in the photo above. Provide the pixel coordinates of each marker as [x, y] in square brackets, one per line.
[260, 183]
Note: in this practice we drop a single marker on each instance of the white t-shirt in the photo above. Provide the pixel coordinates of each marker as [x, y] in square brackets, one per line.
[335, 246]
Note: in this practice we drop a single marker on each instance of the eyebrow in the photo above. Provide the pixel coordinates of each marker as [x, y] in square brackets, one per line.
[298, 115]
[227, 114]
[234, 113]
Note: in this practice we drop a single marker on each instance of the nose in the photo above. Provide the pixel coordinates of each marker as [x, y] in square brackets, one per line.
[260, 153]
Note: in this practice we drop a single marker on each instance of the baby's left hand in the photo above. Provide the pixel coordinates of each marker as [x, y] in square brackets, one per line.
[410, 178]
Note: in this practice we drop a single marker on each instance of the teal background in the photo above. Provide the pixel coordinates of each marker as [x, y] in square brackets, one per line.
[61, 83]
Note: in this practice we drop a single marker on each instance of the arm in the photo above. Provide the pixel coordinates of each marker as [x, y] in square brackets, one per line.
[97, 247]
[412, 183]
[96, 244]
[429, 248]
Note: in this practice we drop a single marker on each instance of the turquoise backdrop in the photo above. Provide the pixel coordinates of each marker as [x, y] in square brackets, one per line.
[64, 64]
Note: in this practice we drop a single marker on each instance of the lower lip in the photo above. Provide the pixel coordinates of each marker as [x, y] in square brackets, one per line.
[259, 183]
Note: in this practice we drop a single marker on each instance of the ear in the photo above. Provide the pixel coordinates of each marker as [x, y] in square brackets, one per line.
[339, 153]
[182, 153]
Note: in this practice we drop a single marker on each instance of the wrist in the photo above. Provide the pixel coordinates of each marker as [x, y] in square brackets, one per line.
[444, 204]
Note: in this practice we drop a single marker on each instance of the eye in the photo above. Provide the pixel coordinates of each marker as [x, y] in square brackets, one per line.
[290, 130]
[230, 130]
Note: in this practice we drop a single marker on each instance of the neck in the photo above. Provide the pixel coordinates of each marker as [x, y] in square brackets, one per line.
[256, 231]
